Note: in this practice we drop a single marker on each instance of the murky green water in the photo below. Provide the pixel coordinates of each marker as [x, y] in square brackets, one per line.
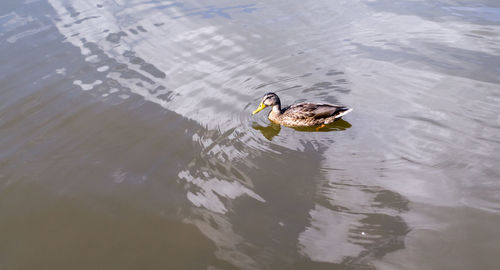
[127, 140]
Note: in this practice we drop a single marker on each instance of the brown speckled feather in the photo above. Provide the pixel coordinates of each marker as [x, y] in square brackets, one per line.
[308, 114]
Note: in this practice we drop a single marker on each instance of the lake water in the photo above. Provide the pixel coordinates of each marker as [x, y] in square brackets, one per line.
[127, 140]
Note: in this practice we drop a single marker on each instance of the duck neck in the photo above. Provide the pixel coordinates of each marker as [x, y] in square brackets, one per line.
[275, 111]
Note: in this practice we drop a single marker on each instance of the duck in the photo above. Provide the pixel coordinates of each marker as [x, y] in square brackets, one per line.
[304, 114]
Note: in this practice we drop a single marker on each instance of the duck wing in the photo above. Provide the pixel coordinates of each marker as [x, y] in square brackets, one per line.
[315, 110]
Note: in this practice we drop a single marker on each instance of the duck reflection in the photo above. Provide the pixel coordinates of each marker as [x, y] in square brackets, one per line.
[268, 131]
[273, 129]
[337, 125]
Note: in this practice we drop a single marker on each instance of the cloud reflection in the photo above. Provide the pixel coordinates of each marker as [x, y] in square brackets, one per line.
[196, 69]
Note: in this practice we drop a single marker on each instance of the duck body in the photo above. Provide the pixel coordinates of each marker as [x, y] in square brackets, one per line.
[308, 114]
[303, 114]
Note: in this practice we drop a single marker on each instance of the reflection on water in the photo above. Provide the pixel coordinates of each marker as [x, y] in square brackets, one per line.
[361, 234]
[269, 131]
[337, 125]
[126, 131]
[272, 129]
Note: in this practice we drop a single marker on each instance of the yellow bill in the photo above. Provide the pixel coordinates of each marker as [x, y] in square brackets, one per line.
[261, 107]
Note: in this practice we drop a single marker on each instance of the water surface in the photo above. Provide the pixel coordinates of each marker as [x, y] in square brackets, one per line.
[127, 139]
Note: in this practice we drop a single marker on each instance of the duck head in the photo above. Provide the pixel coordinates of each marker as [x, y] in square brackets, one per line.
[269, 99]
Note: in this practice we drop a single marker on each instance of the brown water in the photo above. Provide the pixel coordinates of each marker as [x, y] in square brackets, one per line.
[126, 139]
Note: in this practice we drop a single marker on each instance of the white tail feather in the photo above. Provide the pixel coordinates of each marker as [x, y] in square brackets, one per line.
[343, 113]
